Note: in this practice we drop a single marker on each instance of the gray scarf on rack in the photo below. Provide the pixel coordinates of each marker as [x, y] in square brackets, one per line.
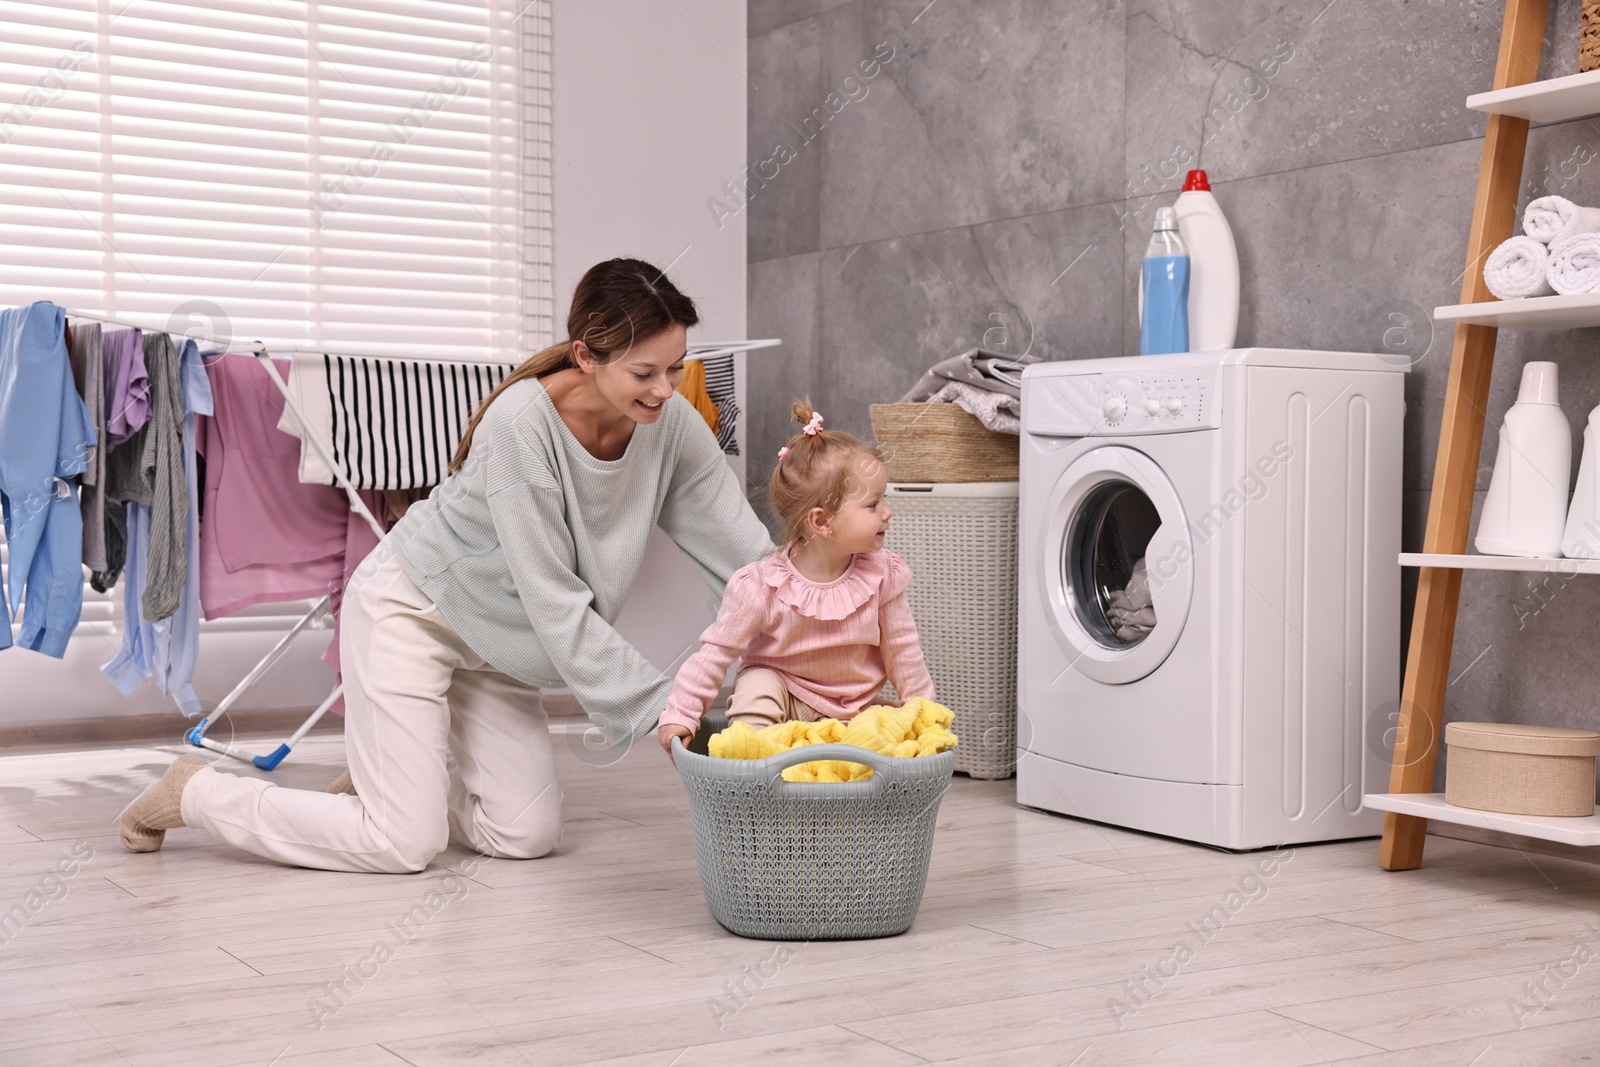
[168, 566]
[148, 469]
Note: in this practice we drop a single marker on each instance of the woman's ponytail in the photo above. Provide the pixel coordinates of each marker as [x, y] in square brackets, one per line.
[616, 304]
[545, 361]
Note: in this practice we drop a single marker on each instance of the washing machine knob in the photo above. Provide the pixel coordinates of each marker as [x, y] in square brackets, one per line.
[1114, 408]
[1175, 405]
[1152, 406]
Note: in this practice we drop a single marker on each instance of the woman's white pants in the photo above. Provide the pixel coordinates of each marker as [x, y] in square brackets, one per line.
[440, 746]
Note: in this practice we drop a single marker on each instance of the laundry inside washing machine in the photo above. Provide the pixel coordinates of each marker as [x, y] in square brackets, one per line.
[1105, 564]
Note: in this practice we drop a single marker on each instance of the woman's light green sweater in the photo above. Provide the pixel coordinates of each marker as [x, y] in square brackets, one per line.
[530, 549]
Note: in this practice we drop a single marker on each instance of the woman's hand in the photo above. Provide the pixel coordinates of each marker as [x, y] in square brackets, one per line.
[668, 731]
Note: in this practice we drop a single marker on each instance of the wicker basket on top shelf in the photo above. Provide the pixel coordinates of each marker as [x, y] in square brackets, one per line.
[1589, 42]
[942, 443]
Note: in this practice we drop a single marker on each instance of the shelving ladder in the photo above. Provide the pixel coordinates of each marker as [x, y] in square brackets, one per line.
[1516, 99]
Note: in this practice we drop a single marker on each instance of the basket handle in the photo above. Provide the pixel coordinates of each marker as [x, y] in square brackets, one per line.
[884, 768]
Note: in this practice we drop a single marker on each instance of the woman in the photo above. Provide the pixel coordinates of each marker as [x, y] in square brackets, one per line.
[504, 581]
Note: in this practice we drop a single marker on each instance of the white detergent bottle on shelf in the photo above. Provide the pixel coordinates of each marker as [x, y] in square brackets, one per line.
[1525, 512]
[1582, 538]
[1214, 266]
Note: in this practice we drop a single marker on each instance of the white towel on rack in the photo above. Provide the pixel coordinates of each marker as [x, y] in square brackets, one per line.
[390, 423]
[307, 387]
[1552, 218]
[1575, 264]
[1516, 269]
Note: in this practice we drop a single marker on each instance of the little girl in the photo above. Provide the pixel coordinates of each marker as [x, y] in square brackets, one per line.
[821, 622]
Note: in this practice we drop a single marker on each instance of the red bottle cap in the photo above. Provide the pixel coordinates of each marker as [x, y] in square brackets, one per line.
[1196, 182]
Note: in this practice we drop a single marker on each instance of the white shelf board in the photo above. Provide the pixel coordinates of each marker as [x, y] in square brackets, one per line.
[1534, 564]
[1578, 830]
[1555, 100]
[1536, 313]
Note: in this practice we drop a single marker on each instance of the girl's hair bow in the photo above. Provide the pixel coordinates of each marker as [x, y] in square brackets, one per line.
[813, 427]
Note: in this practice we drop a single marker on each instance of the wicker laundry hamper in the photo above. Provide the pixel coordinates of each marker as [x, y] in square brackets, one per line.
[960, 540]
[793, 861]
[942, 443]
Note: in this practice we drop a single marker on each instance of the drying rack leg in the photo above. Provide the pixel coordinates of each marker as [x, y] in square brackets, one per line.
[270, 762]
[197, 735]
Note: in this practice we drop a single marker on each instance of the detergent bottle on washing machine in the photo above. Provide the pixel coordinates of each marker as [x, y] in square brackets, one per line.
[1213, 266]
[1164, 315]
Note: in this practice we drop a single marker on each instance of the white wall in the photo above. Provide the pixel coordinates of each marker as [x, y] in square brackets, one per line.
[648, 122]
[35, 688]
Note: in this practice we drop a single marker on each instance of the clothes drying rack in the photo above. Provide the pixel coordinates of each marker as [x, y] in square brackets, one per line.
[196, 735]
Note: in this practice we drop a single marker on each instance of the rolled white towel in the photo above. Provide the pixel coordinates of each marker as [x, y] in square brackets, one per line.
[1552, 218]
[1516, 269]
[1575, 264]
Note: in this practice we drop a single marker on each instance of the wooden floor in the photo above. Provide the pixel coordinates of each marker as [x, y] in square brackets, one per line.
[1041, 940]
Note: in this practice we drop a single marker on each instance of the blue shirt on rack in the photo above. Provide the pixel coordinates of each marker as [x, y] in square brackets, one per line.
[45, 437]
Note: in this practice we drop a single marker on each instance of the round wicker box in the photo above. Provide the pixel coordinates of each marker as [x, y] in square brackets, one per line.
[1521, 770]
[960, 541]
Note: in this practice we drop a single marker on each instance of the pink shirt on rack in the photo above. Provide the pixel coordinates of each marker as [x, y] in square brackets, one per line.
[834, 643]
[265, 536]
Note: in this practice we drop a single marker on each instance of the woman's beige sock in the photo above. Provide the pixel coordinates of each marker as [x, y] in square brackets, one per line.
[342, 784]
[145, 822]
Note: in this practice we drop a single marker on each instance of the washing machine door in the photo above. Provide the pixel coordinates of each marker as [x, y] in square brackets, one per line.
[1117, 564]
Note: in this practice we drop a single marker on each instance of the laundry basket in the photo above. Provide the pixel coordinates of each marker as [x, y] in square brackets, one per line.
[800, 861]
[960, 540]
[928, 441]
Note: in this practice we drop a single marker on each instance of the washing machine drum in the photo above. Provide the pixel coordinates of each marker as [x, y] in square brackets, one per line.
[1118, 564]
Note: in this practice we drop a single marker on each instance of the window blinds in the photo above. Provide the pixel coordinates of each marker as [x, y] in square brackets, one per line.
[367, 175]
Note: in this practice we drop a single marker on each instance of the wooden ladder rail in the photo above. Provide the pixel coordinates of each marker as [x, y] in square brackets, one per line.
[1455, 473]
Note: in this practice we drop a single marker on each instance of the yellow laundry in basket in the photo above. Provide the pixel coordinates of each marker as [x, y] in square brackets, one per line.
[920, 728]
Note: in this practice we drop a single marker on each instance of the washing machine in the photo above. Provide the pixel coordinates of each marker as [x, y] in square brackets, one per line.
[1209, 612]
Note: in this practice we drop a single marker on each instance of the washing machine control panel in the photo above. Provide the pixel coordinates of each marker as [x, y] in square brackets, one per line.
[1153, 403]
[1132, 402]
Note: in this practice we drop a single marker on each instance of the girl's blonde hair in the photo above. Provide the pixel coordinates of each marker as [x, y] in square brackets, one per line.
[821, 470]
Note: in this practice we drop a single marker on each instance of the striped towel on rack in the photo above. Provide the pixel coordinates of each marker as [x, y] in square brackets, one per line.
[389, 423]
[720, 388]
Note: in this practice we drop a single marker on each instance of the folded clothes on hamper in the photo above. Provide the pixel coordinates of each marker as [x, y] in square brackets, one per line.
[997, 411]
[982, 383]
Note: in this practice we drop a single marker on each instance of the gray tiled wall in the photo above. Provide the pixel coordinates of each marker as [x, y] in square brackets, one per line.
[995, 181]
